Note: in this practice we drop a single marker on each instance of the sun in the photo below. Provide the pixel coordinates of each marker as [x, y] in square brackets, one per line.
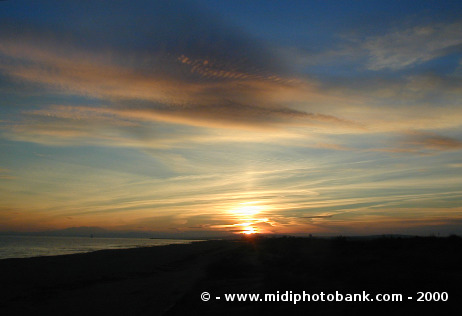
[246, 217]
[249, 230]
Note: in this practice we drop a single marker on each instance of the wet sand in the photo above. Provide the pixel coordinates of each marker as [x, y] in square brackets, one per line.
[169, 280]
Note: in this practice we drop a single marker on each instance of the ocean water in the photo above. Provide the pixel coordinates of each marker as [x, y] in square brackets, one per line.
[34, 246]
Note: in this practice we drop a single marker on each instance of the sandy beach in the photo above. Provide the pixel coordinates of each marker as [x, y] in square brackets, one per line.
[169, 280]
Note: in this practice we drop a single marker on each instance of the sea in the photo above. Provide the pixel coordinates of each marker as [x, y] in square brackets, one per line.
[36, 246]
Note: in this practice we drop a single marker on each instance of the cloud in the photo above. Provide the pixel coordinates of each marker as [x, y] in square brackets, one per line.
[164, 87]
[317, 216]
[408, 47]
[5, 174]
[229, 114]
[395, 50]
[331, 146]
[158, 128]
[420, 142]
[424, 141]
[211, 76]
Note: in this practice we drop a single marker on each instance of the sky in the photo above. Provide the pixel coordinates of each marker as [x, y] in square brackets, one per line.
[218, 117]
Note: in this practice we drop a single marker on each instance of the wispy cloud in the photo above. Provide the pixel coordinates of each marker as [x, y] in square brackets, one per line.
[193, 87]
[235, 99]
[433, 141]
[6, 174]
[410, 46]
[425, 142]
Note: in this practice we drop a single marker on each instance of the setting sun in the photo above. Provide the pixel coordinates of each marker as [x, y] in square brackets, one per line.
[249, 230]
[244, 217]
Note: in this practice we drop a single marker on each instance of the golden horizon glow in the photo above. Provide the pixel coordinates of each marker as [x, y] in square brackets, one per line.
[249, 230]
[247, 209]
[244, 214]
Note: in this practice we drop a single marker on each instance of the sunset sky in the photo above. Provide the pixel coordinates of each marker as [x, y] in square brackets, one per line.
[215, 117]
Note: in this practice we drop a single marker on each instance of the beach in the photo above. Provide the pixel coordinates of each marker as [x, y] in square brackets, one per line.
[169, 280]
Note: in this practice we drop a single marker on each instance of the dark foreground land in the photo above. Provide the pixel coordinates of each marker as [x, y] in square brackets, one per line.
[169, 280]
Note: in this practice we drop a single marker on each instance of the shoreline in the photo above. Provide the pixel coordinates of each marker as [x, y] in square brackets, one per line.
[46, 283]
[18, 246]
[168, 280]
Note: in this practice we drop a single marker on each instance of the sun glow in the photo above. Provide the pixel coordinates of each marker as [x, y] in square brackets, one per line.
[245, 216]
[249, 230]
[247, 210]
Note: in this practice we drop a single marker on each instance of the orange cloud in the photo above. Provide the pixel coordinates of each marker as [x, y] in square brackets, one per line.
[432, 141]
[234, 99]
[200, 92]
[424, 142]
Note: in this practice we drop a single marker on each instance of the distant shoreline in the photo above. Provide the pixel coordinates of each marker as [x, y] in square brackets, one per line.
[19, 246]
[85, 244]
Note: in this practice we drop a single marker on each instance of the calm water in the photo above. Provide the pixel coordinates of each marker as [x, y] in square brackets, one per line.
[31, 246]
